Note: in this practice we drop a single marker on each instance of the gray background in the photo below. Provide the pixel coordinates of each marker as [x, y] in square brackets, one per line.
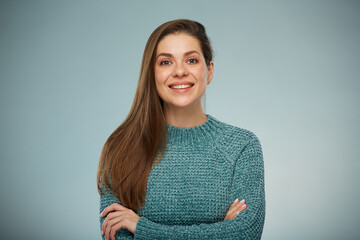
[286, 70]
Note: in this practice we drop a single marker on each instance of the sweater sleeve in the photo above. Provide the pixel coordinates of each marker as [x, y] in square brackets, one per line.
[106, 200]
[248, 184]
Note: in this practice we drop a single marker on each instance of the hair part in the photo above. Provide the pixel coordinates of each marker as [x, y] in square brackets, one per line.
[139, 142]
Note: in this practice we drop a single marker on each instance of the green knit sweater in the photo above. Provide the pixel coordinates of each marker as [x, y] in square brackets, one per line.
[204, 169]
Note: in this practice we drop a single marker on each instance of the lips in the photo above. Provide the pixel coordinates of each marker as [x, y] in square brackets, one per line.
[182, 85]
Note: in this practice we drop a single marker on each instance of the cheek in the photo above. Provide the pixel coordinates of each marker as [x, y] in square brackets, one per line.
[160, 76]
[203, 75]
[160, 85]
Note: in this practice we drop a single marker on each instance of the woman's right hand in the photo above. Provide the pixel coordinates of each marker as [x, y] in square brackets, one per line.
[235, 208]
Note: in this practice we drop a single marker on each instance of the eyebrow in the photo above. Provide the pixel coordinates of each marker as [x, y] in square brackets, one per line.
[170, 55]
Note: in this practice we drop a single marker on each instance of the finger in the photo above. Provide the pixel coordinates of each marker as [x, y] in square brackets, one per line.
[115, 214]
[108, 230]
[242, 208]
[238, 210]
[111, 224]
[112, 207]
[114, 229]
[229, 216]
[231, 213]
[109, 217]
[233, 205]
[103, 226]
[241, 204]
[236, 207]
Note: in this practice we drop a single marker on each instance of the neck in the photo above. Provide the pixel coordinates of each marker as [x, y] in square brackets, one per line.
[187, 117]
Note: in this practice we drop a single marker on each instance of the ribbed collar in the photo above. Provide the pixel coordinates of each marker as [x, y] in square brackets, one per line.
[188, 136]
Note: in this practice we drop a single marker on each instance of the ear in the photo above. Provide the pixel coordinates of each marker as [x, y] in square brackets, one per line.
[210, 72]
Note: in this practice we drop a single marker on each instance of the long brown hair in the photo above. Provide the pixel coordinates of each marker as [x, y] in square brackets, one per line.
[140, 141]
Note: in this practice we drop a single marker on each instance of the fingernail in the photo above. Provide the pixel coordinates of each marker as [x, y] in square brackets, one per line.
[236, 200]
[237, 213]
[243, 206]
[242, 201]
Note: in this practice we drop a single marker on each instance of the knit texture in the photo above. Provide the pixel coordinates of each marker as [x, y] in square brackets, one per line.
[204, 169]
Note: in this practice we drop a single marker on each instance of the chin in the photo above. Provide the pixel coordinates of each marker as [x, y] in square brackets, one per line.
[180, 105]
[184, 104]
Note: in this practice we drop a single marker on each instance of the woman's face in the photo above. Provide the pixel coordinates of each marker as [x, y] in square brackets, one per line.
[181, 73]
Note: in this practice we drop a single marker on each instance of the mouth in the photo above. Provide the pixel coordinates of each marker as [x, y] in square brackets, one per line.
[181, 86]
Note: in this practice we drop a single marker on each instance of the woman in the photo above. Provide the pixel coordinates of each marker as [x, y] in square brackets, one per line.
[170, 171]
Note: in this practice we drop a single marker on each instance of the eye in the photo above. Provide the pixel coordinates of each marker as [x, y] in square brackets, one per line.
[165, 63]
[192, 61]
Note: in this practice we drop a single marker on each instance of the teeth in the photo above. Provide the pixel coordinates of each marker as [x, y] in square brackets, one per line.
[180, 86]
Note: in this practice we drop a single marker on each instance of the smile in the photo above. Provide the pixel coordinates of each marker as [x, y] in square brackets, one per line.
[184, 86]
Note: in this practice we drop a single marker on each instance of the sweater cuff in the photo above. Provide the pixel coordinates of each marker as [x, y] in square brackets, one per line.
[146, 229]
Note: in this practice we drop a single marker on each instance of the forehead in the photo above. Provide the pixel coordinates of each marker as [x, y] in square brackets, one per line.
[177, 43]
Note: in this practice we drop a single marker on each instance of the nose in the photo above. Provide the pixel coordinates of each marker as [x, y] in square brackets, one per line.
[179, 70]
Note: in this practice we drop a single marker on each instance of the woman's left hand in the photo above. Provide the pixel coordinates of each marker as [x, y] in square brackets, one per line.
[118, 217]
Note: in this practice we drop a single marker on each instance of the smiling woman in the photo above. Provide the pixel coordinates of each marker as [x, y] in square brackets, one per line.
[170, 171]
[181, 74]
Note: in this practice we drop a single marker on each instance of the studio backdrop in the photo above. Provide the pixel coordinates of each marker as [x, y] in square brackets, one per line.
[286, 70]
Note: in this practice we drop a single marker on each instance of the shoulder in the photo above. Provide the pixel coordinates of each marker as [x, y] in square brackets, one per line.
[231, 133]
[232, 140]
